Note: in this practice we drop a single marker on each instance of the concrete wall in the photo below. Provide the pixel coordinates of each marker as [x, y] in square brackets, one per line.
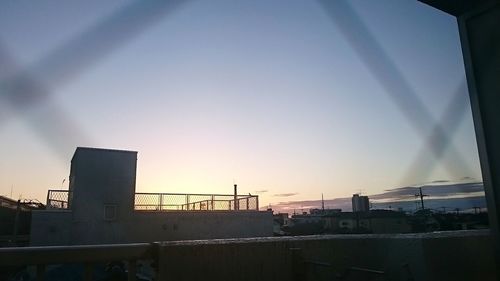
[60, 227]
[102, 177]
[201, 225]
[50, 227]
[421, 257]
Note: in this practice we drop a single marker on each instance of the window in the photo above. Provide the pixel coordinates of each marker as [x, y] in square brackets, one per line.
[110, 212]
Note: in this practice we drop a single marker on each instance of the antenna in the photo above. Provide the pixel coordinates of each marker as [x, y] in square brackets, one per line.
[322, 203]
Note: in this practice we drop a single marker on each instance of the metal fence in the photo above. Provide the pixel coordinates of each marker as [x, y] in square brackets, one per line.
[194, 202]
[59, 199]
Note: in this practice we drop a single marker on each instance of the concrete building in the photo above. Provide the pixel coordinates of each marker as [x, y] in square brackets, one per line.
[101, 207]
[360, 203]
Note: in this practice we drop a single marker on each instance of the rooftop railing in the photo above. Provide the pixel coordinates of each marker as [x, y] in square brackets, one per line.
[59, 199]
[194, 202]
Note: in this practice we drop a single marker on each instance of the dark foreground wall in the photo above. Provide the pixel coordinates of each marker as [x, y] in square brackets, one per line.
[438, 256]
[63, 227]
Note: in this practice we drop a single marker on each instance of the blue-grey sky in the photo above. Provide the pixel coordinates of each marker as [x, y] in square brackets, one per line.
[271, 95]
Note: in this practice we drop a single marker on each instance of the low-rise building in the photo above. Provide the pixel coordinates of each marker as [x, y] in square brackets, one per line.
[102, 207]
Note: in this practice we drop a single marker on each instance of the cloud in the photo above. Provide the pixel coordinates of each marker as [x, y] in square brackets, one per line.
[440, 181]
[285, 194]
[434, 190]
[458, 195]
[261, 191]
[290, 206]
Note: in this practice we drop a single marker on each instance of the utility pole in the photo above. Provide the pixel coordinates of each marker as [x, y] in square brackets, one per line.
[421, 195]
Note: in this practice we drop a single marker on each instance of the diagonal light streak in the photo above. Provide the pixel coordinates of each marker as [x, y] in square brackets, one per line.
[452, 118]
[52, 124]
[385, 71]
[95, 43]
[25, 94]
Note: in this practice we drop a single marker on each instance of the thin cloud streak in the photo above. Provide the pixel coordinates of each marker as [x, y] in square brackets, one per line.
[455, 193]
[285, 194]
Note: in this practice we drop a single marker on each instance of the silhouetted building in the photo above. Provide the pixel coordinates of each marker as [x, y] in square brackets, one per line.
[102, 207]
[360, 203]
[325, 212]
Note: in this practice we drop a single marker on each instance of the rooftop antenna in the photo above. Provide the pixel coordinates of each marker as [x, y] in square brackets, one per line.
[236, 203]
[322, 203]
[11, 188]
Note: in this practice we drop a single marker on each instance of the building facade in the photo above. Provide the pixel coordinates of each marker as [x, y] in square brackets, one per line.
[360, 203]
[100, 209]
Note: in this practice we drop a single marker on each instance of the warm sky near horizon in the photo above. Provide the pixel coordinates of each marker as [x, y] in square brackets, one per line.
[272, 95]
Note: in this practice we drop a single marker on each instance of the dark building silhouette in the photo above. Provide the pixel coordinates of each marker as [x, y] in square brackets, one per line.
[360, 203]
[100, 207]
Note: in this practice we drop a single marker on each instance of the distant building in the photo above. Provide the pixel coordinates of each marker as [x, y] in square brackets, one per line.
[15, 219]
[376, 221]
[325, 212]
[102, 207]
[360, 203]
[279, 220]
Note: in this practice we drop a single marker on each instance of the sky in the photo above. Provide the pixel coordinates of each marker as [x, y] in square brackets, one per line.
[439, 196]
[288, 99]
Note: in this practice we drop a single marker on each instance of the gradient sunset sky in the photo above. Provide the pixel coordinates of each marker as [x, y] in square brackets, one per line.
[272, 95]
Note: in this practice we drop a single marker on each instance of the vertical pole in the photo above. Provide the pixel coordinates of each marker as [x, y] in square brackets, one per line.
[187, 202]
[257, 202]
[212, 202]
[247, 202]
[47, 203]
[161, 201]
[236, 197]
[421, 198]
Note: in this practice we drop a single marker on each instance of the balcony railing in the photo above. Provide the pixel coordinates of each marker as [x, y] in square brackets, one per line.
[59, 199]
[90, 256]
[457, 255]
